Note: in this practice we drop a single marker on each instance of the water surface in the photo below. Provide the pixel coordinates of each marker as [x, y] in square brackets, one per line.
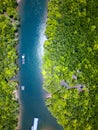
[33, 15]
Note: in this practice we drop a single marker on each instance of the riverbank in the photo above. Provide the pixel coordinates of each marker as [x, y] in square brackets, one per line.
[19, 117]
[17, 76]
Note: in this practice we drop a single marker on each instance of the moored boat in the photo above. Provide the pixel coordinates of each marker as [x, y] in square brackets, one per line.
[22, 87]
[23, 59]
[35, 124]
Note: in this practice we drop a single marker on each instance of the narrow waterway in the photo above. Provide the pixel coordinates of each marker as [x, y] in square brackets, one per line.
[33, 14]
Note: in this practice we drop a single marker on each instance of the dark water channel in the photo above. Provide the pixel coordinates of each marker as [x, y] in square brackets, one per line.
[33, 15]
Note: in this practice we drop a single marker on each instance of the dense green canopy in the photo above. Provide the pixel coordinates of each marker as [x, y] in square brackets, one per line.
[8, 68]
[71, 49]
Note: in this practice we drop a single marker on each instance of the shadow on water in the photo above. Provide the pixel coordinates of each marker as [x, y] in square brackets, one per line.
[33, 14]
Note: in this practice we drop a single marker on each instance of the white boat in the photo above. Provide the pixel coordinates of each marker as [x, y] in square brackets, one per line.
[35, 124]
[22, 87]
[23, 59]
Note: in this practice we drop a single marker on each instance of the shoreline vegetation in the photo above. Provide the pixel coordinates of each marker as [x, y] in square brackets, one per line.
[71, 59]
[9, 99]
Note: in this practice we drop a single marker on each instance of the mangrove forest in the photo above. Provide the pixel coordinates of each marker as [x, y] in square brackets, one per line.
[8, 68]
[70, 63]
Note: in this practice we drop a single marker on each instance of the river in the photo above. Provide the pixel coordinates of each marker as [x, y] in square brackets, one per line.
[33, 14]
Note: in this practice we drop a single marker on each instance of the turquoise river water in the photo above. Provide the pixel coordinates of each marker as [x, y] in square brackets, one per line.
[33, 15]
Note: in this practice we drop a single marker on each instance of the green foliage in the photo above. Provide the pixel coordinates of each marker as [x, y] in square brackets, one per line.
[71, 49]
[8, 68]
